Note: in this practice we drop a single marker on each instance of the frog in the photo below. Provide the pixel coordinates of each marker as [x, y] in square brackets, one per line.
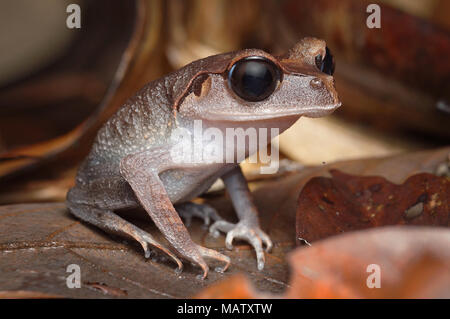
[131, 163]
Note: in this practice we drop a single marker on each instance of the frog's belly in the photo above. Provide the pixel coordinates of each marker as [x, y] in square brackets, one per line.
[184, 185]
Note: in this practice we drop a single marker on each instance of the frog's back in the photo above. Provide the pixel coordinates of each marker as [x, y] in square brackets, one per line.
[145, 120]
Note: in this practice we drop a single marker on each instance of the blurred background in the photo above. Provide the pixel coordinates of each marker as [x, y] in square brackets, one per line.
[58, 85]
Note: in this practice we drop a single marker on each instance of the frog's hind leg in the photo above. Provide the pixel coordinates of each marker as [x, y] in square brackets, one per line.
[113, 223]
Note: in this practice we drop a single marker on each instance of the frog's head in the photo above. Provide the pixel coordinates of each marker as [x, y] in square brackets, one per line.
[252, 85]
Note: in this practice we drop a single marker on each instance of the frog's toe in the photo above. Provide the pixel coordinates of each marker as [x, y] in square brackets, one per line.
[220, 226]
[266, 240]
[213, 254]
[145, 240]
[203, 211]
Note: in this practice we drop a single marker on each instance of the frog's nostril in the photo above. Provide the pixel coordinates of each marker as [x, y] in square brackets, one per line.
[316, 83]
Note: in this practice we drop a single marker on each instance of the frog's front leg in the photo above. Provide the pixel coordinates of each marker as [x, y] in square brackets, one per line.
[248, 226]
[142, 171]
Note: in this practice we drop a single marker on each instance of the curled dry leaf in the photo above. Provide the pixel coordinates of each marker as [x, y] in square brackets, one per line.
[377, 85]
[330, 206]
[406, 262]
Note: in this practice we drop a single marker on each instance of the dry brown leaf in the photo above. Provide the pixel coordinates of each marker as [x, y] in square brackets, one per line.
[330, 206]
[39, 241]
[414, 262]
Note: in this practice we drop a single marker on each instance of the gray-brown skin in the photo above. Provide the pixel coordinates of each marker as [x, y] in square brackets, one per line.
[130, 163]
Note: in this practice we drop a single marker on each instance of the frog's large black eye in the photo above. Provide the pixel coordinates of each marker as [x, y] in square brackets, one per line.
[326, 65]
[254, 78]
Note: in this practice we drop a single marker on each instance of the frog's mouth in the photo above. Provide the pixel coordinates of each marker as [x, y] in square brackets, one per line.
[323, 110]
[310, 111]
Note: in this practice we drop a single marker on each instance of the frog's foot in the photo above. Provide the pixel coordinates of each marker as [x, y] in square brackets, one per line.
[250, 233]
[203, 211]
[113, 223]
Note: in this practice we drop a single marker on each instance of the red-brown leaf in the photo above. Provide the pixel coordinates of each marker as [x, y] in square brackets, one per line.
[414, 262]
[330, 206]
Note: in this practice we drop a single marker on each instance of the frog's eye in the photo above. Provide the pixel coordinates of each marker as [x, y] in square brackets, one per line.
[254, 78]
[325, 64]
